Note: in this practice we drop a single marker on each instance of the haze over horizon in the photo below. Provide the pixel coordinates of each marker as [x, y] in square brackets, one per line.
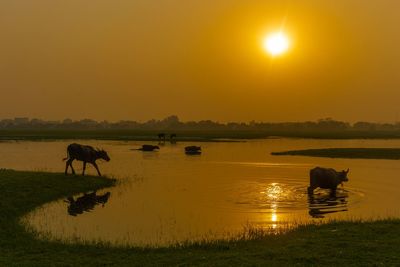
[36, 121]
[141, 60]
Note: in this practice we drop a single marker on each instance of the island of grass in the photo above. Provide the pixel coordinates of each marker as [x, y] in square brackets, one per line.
[340, 243]
[346, 153]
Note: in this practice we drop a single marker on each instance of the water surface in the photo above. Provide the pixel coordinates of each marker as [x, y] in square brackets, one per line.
[166, 197]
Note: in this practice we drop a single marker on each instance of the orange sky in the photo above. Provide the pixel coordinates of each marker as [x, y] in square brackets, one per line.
[143, 59]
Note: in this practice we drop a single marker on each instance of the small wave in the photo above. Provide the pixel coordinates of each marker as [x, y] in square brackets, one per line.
[291, 197]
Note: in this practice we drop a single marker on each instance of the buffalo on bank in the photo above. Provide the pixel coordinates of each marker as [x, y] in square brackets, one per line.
[84, 153]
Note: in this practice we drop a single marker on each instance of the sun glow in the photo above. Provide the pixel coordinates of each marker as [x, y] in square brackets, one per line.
[276, 43]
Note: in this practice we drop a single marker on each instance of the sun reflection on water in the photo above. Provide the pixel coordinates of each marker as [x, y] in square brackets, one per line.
[274, 193]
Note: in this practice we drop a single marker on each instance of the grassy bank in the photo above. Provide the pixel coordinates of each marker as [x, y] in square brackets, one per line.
[186, 135]
[348, 153]
[372, 243]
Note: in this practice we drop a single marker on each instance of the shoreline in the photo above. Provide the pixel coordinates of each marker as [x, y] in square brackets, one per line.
[332, 243]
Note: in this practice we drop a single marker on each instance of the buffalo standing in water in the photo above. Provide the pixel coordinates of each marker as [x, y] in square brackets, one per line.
[87, 154]
[326, 178]
[161, 137]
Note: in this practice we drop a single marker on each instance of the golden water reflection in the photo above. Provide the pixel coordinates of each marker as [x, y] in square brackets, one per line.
[274, 193]
[86, 203]
[325, 203]
[168, 197]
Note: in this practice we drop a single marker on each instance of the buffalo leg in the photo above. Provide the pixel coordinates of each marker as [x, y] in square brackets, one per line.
[97, 168]
[72, 168]
[84, 167]
[69, 163]
[333, 192]
[310, 190]
[66, 168]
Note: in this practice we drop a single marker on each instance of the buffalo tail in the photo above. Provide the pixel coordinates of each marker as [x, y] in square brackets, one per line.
[64, 159]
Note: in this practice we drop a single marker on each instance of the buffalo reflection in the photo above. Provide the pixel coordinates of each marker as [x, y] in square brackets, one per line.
[322, 204]
[86, 203]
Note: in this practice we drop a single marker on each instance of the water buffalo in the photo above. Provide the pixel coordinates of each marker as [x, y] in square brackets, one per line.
[87, 154]
[326, 178]
[172, 138]
[193, 150]
[148, 148]
[161, 136]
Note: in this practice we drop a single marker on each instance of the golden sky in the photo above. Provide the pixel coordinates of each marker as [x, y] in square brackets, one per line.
[199, 59]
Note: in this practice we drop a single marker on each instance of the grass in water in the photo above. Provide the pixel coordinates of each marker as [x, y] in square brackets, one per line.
[345, 243]
[349, 153]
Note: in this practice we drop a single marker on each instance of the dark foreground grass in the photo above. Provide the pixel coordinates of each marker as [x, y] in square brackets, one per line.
[344, 243]
[348, 153]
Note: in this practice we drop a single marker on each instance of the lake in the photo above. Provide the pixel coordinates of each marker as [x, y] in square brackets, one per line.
[168, 197]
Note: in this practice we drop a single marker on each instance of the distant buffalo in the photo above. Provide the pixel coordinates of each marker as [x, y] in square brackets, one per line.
[148, 148]
[193, 150]
[326, 178]
[87, 154]
[161, 136]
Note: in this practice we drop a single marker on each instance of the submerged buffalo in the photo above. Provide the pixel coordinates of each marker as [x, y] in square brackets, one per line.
[193, 150]
[87, 154]
[148, 148]
[326, 178]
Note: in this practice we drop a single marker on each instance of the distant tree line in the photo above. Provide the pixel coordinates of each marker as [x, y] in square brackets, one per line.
[172, 123]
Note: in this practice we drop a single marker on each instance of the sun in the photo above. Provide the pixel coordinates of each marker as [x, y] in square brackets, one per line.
[276, 43]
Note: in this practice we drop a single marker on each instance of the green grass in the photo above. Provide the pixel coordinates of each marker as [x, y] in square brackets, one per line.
[348, 153]
[339, 243]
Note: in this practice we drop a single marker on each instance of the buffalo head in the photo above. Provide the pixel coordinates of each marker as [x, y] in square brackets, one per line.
[103, 155]
[343, 175]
